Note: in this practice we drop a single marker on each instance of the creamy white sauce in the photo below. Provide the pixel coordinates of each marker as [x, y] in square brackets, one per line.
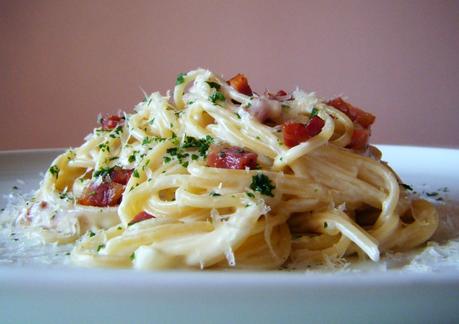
[19, 248]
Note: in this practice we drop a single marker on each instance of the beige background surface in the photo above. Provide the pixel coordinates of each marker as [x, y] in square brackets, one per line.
[63, 62]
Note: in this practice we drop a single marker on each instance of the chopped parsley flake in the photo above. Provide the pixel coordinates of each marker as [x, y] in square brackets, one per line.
[147, 140]
[201, 144]
[136, 173]
[104, 147]
[54, 170]
[131, 158]
[325, 224]
[102, 172]
[214, 194]
[174, 139]
[237, 115]
[132, 256]
[65, 195]
[214, 85]
[91, 233]
[155, 139]
[262, 184]
[217, 96]
[100, 247]
[180, 152]
[172, 151]
[250, 194]
[180, 78]
[71, 155]
[116, 133]
[314, 112]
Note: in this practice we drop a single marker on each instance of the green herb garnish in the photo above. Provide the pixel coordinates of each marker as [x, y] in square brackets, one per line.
[214, 85]
[201, 144]
[54, 170]
[116, 133]
[65, 195]
[262, 184]
[180, 78]
[104, 147]
[102, 172]
[155, 139]
[314, 112]
[217, 96]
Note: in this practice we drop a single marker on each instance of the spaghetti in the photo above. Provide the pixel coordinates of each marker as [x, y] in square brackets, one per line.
[220, 176]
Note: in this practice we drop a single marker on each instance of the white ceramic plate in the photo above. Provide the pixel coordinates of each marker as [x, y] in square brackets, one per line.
[46, 294]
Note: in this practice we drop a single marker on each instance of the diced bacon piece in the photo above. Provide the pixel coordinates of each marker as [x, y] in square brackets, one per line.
[296, 133]
[120, 175]
[359, 139]
[357, 115]
[240, 83]
[232, 158]
[314, 126]
[102, 194]
[281, 95]
[141, 217]
[264, 110]
[110, 122]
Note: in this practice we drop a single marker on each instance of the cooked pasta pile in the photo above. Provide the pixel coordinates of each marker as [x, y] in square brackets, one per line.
[218, 176]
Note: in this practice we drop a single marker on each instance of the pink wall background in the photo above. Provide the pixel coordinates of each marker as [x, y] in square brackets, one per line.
[63, 62]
